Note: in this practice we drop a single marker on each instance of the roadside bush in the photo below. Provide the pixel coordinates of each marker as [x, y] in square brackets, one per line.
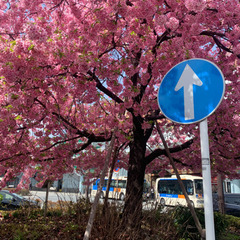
[155, 225]
[233, 225]
[24, 192]
[68, 220]
[160, 224]
[186, 225]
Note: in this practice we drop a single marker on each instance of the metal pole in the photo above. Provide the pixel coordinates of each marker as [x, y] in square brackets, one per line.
[207, 185]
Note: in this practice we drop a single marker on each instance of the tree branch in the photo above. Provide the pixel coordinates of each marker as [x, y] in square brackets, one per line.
[83, 133]
[103, 89]
[216, 40]
[162, 152]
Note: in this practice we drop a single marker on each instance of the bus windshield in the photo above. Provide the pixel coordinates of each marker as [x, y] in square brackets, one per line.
[173, 187]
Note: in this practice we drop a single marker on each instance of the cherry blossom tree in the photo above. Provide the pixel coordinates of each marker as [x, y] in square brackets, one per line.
[73, 70]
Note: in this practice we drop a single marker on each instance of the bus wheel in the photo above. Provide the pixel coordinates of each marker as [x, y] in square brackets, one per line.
[162, 202]
[101, 195]
[121, 197]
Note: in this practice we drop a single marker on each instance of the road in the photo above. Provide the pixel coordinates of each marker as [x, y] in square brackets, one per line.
[73, 197]
[54, 196]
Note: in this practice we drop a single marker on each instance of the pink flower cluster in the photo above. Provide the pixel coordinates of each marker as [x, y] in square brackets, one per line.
[195, 5]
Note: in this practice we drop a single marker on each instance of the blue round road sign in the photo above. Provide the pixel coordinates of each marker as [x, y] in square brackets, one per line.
[191, 91]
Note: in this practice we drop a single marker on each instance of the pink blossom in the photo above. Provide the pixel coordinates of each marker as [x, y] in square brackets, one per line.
[196, 28]
[161, 19]
[172, 23]
[236, 49]
[195, 5]
[236, 120]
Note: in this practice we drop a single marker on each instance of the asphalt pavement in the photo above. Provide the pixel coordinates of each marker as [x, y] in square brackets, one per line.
[54, 196]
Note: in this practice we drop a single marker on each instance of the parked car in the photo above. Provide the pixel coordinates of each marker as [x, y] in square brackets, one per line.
[232, 203]
[9, 201]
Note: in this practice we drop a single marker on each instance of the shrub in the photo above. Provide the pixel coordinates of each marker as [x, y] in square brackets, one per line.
[186, 225]
[68, 220]
[24, 192]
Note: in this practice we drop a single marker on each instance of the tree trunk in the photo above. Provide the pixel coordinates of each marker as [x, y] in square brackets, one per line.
[46, 199]
[86, 192]
[133, 201]
[220, 194]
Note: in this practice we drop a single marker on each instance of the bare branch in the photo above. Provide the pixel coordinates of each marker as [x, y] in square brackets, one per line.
[104, 89]
[162, 152]
[216, 40]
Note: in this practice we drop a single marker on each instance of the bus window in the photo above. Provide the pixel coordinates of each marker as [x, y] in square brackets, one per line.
[188, 184]
[113, 183]
[198, 186]
[105, 183]
[122, 183]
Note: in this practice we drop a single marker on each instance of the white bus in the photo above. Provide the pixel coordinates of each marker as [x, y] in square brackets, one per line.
[117, 188]
[169, 193]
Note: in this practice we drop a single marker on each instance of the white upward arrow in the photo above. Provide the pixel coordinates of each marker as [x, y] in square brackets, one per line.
[187, 79]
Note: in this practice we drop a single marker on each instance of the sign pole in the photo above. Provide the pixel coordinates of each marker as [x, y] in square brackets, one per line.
[189, 93]
[207, 185]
